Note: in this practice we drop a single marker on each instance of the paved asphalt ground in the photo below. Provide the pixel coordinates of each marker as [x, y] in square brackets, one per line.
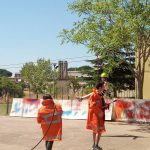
[18, 133]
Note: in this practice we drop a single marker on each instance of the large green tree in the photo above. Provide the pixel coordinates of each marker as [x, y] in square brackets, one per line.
[121, 77]
[112, 28]
[39, 76]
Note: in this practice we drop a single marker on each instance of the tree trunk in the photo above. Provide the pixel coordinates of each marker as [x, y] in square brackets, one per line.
[29, 92]
[115, 92]
[7, 100]
[140, 89]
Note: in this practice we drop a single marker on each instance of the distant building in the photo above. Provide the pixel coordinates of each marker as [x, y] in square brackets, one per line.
[17, 77]
[76, 74]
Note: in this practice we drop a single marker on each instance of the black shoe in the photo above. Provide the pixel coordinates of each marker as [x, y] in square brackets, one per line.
[93, 147]
[98, 148]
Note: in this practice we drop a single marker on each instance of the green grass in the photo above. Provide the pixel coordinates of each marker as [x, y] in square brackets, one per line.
[3, 109]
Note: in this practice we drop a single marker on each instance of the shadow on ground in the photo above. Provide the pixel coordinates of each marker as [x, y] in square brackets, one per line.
[134, 137]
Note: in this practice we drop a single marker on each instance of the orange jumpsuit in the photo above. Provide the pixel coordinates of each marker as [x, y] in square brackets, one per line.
[95, 121]
[45, 114]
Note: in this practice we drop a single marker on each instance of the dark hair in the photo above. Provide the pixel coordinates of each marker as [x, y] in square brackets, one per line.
[99, 84]
[48, 96]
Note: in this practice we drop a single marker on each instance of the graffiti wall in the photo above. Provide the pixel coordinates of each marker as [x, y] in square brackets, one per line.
[25, 107]
[17, 107]
[132, 110]
[122, 109]
[72, 109]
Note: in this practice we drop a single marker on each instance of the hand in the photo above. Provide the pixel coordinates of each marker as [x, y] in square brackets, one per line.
[106, 106]
[79, 99]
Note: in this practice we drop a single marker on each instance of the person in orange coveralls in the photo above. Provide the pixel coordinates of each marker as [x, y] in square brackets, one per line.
[96, 113]
[49, 116]
[95, 120]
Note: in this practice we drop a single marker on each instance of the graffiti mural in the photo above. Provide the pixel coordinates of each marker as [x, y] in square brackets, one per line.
[132, 110]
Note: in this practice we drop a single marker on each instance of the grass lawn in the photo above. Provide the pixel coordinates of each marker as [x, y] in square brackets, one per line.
[3, 109]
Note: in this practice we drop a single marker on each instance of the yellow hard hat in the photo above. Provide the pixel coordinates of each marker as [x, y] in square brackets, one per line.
[104, 75]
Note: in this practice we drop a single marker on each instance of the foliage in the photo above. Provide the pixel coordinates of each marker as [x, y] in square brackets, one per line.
[112, 29]
[9, 88]
[74, 84]
[5, 73]
[89, 75]
[39, 76]
[121, 77]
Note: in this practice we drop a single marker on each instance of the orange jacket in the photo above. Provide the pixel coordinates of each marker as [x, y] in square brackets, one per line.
[44, 117]
[96, 114]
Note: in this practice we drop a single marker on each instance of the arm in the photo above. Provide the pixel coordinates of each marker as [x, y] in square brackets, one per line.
[84, 97]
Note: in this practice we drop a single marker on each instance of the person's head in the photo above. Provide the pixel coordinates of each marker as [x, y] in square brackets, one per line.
[100, 87]
[47, 97]
[104, 76]
[47, 100]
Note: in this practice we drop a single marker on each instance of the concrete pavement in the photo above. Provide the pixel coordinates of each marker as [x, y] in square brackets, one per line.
[18, 133]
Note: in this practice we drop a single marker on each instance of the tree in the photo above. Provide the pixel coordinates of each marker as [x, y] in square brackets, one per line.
[74, 84]
[121, 77]
[5, 73]
[111, 28]
[19, 89]
[39, 76]
[9, 88]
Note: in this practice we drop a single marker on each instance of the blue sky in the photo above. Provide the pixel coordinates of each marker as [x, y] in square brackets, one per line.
[29, 30]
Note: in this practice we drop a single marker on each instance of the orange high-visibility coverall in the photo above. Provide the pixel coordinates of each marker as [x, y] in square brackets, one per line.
[44, 117]
[95, 120]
